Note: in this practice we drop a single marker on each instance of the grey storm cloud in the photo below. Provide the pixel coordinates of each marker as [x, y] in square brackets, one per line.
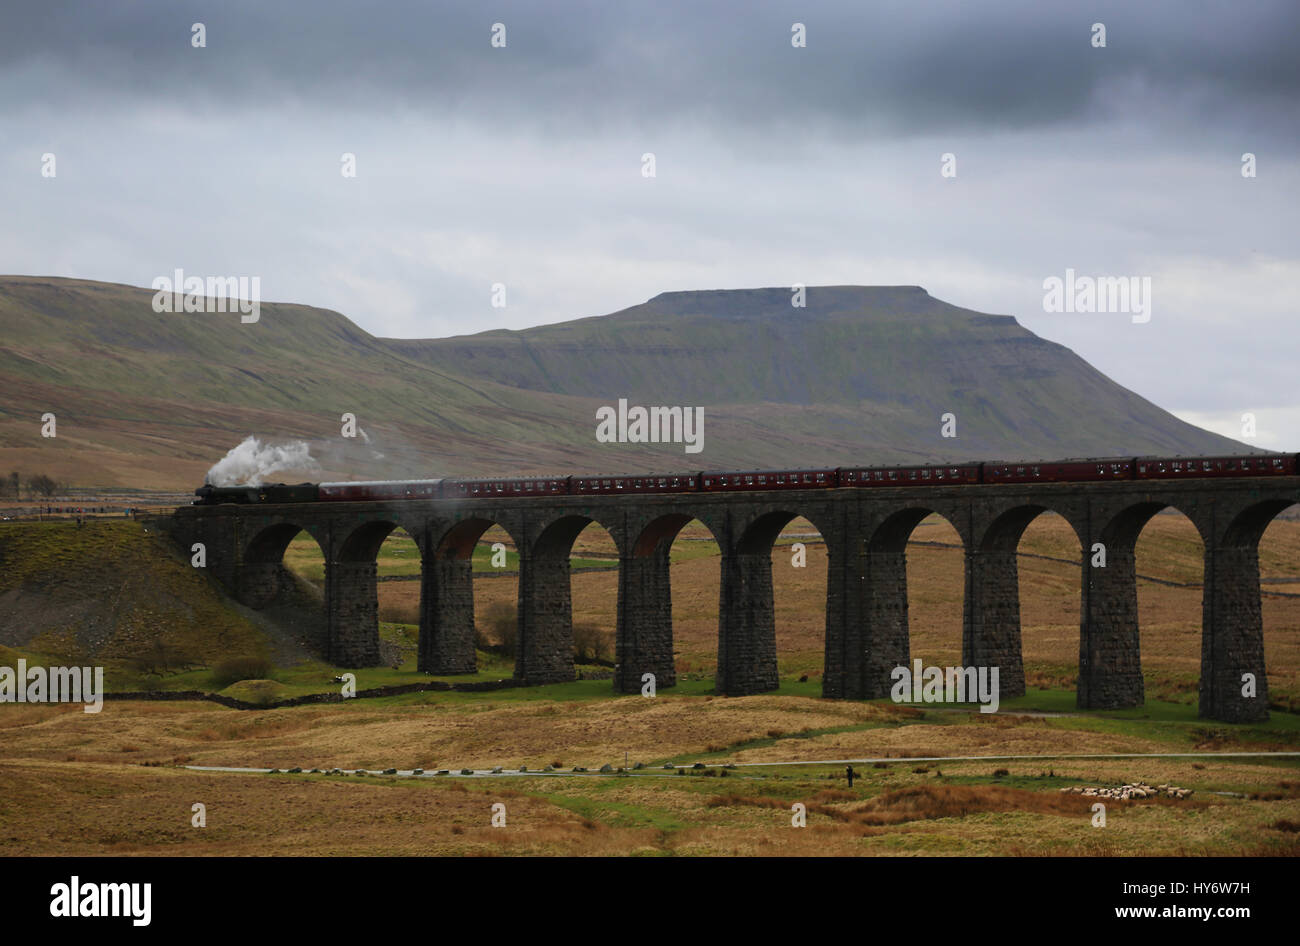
[522, 166]
[869, 69]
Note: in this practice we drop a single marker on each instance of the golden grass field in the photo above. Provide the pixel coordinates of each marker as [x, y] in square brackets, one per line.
[73, 785]
[114, 783]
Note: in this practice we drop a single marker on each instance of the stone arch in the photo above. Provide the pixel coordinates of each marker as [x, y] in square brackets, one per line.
[759, 534]
[556, 538]
[457, 540]
[660, 531]
[1008, 526]
[270, 542]
[746, 622]
[1110, 650]
[991, 624]
[352, 596]
[592, 610]
[892, 532]
[263, 577]
[362, 544]
[447, 622]
[1248, 526]
[644, 638]
[884, 639]
[1123, 526]
[1232, 616]
[544, 649]
[748, 633]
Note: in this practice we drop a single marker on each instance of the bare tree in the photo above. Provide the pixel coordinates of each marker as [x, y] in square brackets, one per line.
[42, 485]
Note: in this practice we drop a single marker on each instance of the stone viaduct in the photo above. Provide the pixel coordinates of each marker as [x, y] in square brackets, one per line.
[866, 531]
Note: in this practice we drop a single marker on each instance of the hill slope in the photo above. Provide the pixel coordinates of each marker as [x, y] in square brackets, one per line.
[860, 375]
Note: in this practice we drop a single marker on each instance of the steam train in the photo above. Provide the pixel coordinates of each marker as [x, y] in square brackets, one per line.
[1055, 471]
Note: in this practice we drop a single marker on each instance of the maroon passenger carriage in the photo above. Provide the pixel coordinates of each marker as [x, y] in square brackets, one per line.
[955, 474]
[364, 490]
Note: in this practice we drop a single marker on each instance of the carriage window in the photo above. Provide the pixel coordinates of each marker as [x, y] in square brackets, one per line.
[893, 474]
[749, 481]
[821, 477]
[925, 474]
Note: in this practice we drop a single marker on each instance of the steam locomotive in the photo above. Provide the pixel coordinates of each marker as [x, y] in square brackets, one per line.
[1055, 471]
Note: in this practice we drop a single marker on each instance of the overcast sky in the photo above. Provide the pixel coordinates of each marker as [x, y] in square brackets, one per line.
[774, 164]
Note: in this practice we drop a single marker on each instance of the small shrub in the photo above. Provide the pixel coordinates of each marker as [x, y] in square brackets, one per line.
[1000, 773]
[591, 643]
[500, 625]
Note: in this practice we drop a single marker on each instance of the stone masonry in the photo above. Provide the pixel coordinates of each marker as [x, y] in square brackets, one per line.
[866, 533]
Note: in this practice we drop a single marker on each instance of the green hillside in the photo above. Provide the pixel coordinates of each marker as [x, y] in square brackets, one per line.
[874, 367]
[118, 592]
[860, 375]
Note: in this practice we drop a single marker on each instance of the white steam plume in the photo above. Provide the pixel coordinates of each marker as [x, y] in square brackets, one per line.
[252, 461]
